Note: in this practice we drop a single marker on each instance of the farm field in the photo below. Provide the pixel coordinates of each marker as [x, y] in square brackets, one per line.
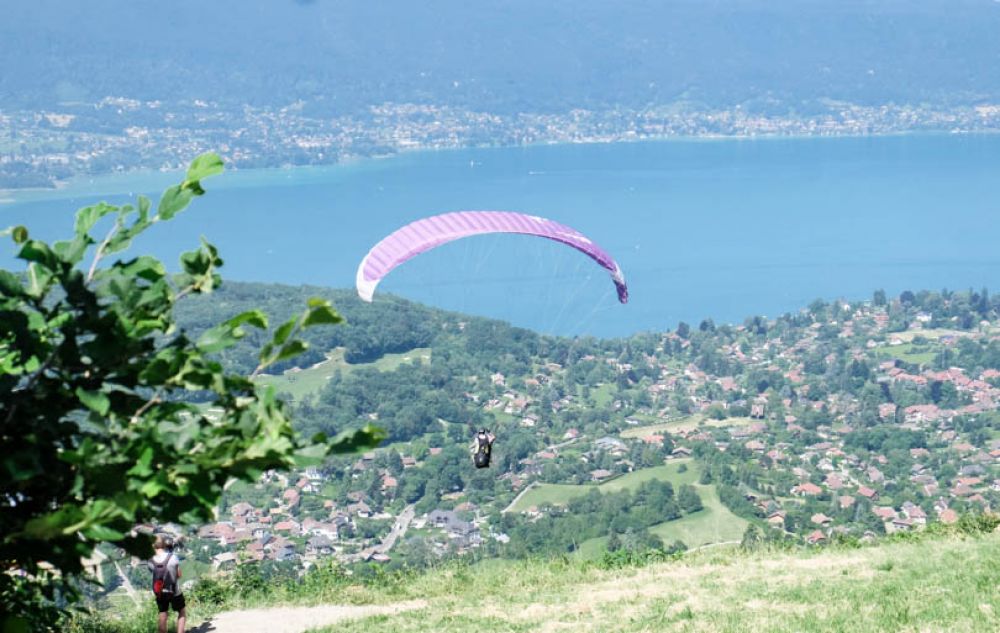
[301, 383]
[560, 494]
[713, 524]
[911, 353]
[689, 423]
[932, 334]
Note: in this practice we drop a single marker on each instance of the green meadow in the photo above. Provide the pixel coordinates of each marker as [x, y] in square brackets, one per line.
[301, 383]
[689, 423]
[560, 494]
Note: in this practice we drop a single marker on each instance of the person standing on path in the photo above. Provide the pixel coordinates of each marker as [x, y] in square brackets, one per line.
[166, 568]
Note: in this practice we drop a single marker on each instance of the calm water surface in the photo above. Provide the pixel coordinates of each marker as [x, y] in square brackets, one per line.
[720, 229]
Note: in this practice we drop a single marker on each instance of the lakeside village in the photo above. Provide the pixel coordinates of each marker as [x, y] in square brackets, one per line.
[117, 134]
[807, 424]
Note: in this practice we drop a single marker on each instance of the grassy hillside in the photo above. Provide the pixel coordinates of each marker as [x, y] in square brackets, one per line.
[714, 524]
[926, 585]
[906, 583]
[559, 494]
[300, 383]
[689, 423]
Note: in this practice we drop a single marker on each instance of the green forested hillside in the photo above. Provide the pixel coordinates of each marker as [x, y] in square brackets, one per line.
[787, 435]
[813, 424]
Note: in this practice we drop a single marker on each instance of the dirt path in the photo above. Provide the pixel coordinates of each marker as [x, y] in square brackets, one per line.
[296, 619]
[129, 589]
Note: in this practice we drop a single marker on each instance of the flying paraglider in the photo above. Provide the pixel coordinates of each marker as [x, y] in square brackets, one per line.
[427, 233]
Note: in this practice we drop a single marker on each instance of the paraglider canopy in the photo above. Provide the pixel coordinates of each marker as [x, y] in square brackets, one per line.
[428, 233]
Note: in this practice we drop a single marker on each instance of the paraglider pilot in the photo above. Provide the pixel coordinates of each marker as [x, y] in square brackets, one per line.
[482, 448]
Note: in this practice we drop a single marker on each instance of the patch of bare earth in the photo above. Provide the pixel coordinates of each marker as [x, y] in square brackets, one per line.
[297, 619]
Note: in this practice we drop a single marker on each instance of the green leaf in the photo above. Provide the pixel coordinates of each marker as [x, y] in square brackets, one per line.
[87, 217]
[291, 350]
[36, 251]
[283, 332]
[311, 455]
[55, 523]
[102, 533]
[144, 205]
[72, 252]
[145, 267]
[364, 438]
[38, 279]
[227, 334]
[208, 164]
[174, 200]
[143, 465]
[200, 263]
[94, 400]
[255, 318]
[219, 338]
[20, 234]
[321, 314]
[153, 487]
[10, 285]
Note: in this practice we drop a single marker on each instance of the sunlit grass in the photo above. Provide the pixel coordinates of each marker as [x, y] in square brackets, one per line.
[930, 585]
[305, 382]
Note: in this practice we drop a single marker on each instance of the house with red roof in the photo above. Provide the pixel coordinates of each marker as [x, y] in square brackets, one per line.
[808, 488]
[834, 482]
[867, 493]
[884, 512]
[291, 497]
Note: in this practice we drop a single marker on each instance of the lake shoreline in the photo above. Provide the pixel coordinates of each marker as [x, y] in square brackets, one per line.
[13, 195]
[702, 228]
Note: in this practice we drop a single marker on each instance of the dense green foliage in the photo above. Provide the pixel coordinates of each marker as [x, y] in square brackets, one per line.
[96, 419]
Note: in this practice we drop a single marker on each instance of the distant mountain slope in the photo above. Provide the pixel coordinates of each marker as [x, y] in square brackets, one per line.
[389, 325]
[519, 55]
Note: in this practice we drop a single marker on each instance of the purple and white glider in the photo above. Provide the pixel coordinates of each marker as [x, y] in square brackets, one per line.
[428, 233]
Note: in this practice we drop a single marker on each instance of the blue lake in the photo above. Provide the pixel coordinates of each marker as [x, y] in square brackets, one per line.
[721, 229]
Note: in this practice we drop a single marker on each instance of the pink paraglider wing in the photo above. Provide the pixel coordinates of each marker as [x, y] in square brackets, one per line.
[428, 233]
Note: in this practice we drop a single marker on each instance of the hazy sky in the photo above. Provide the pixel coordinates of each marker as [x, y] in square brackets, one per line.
[513, 55]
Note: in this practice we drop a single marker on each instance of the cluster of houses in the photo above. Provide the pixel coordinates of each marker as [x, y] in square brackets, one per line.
[247, 533]
[826, 487]
[824, 470]
[827, 469]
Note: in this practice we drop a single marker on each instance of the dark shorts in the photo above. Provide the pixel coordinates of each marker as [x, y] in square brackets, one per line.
[177, 602]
